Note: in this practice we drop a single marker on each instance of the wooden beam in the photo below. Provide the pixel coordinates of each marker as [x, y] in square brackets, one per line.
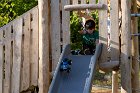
[108, 65]
[84, 6]
[44, 42]
[135, 49]
[126, 58]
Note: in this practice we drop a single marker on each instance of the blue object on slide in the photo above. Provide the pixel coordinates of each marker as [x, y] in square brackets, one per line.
[66, 65]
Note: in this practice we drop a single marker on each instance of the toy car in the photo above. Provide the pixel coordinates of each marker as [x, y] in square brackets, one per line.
[65, 65]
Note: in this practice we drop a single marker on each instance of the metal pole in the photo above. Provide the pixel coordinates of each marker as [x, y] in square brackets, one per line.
[135, 15]
[138, 34]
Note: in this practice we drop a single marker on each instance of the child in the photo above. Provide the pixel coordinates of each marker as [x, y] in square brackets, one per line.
[90, 37]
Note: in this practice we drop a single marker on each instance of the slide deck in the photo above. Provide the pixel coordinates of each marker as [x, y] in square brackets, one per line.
[79, 79]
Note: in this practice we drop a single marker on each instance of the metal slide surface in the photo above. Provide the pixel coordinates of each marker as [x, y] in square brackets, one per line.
[79, 80]
[74, 82]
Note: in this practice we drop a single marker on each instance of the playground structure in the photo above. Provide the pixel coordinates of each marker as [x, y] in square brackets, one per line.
[30, 46]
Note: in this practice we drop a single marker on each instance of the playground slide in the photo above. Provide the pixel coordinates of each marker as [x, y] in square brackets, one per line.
[79, 80]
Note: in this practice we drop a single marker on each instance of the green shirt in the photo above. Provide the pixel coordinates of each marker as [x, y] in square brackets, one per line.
[90, 39]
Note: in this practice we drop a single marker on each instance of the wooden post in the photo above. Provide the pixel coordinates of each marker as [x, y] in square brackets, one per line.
[65, 23]
[44, 41]
[135, 50]
[55, 32]
[126, 48]
[114, 40]
[103, 32]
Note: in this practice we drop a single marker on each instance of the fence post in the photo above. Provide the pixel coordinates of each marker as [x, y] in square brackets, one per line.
[126, 48]
[44, 45]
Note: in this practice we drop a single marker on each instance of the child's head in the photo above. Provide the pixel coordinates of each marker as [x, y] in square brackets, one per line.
[90, 25]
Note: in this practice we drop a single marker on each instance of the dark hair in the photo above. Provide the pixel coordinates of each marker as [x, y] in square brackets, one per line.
[90, 24]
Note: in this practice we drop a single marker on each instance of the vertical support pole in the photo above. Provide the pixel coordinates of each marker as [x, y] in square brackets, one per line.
[126, 48]
[55, 32]
[103, 32]
[135, 49]
[114, 37]
[65, 23]
[44, 45]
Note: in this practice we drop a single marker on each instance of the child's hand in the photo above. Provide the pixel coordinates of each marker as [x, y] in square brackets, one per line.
[81, 32]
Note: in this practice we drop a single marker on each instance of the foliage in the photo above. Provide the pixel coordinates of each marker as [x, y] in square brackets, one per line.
[10, 9]
[75, 27]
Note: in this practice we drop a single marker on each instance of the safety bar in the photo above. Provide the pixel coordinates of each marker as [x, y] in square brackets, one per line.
[77, 7]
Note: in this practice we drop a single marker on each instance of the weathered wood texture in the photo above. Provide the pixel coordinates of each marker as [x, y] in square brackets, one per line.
[92, 1]
[76, 7]
[83, 2]
[55, 32]
[126, 58]
[44, 45]
[19, 53]
[26, 55]
[16, 67]
[103, 32]
[65, 23]
[8, 59]
[114, 40]
[135, 49]
[34, 47]
[1, 61]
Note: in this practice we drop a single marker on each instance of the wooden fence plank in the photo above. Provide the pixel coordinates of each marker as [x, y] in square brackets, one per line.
[92, 1]
[16, 70]
[103, 32]
[65, 23]
[25, 83]
[83, 1]
[8, 60]
[55, 32]
[34, 47]
[1, 61]
[74, 1]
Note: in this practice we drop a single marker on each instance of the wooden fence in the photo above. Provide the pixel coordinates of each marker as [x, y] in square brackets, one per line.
[19, 53]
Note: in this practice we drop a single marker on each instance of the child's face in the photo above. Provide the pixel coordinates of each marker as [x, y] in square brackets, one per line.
[90, 30]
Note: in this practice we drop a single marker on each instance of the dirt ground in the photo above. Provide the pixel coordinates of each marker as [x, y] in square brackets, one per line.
[99, 89]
